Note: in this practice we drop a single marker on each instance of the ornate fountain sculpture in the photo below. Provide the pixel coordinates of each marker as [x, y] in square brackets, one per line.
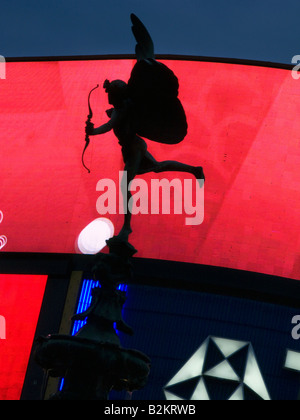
[93, 362]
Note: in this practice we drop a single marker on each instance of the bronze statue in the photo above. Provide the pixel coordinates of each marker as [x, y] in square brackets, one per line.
[93, 362]
[147, 106]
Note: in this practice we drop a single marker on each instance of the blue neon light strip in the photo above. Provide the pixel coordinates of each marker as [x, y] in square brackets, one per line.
[84, 302]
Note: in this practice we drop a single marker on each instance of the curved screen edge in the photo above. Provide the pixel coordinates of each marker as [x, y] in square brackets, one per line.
[243, 129]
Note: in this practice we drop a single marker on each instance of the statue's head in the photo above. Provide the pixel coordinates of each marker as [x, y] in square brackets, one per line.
[117, 92]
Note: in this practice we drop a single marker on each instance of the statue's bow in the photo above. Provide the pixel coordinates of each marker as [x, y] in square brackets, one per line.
[89, 118]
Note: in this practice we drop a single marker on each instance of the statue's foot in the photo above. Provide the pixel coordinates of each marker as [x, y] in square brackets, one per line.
[199, 174]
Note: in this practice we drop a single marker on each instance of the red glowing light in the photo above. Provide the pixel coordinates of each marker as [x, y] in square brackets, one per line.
[20, 302]
[243, 129]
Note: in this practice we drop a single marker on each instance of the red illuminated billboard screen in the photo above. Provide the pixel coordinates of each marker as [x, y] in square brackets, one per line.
[20, 303]
[243, 128]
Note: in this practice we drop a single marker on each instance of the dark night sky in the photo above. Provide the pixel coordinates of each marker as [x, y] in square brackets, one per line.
[267, 30]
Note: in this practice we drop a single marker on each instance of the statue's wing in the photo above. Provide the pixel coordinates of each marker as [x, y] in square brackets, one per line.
[158, 113]
[144, 48]
[153, 89]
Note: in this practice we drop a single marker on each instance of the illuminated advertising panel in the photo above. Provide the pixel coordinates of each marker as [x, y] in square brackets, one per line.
[20, 303]
[243, 128]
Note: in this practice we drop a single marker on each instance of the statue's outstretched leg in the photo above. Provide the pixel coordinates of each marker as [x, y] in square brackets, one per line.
[173, 166]
[149, 164]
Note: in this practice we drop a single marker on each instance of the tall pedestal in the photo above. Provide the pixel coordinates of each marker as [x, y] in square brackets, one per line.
[93, 362]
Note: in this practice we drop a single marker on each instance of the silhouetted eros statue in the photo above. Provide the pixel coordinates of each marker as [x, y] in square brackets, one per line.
[147, 106]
